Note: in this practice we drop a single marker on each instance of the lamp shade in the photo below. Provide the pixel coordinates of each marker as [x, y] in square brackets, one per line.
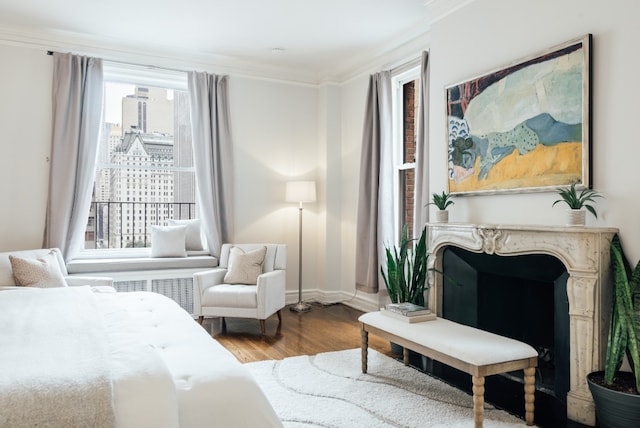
[301, 191]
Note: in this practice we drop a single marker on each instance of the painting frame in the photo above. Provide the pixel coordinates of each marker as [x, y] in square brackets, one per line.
[524, 127]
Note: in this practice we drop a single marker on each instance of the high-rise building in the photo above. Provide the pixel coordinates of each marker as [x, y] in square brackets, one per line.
[143, 184]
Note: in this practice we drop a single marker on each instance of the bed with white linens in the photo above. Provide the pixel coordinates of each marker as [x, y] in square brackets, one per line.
[88, 356]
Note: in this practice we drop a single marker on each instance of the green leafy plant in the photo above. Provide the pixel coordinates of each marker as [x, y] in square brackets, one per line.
[442, 201]
[576, 200]
[406, 269]
[623, 333]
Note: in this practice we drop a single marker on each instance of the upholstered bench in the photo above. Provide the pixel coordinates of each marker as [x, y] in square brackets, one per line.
[476, 352]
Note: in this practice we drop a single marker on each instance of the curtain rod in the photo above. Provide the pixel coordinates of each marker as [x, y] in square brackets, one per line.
[138, 65]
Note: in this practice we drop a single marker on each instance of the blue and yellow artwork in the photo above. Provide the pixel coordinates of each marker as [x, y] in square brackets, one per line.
[524, 127]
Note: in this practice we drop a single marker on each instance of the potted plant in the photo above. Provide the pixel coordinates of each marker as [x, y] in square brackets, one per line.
[442, 202]
[576, 201]
[617, 393]
[405, 275]
[406, 269]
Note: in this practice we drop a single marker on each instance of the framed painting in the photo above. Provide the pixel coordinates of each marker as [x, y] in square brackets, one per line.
[525, 127]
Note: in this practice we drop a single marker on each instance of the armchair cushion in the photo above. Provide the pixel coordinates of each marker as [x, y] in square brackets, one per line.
[244, 267]
[41, 272]
[231, 296]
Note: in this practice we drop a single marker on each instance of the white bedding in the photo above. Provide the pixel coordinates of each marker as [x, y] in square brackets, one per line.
[166, 371]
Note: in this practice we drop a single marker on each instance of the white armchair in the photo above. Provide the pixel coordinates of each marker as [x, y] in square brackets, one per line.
[214, 298]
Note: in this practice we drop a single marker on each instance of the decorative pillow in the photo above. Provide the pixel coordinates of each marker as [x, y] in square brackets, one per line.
[194, 237]
[168, 241]
[43, 272]
[244, 268]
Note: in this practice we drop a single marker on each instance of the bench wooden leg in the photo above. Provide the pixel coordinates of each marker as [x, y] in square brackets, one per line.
[364, 345]
[478, 400]
[529, 394]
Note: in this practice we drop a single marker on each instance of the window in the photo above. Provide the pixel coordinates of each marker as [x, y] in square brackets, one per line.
[405, 128]
[145, 153]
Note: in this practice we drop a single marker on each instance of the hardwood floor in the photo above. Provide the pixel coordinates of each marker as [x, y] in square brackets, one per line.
[325, 328]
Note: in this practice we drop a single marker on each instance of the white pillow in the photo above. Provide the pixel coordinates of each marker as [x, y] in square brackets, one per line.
[43, 272]
[168, 241]
[244, 268]
[194, 237]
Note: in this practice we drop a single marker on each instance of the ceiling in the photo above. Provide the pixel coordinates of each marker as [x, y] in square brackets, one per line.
[326, 38]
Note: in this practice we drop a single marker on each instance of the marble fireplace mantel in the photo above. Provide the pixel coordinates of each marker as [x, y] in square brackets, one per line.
[585, 253]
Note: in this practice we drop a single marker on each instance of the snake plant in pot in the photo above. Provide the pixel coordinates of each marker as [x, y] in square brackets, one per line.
[405, 275]
[617, 393]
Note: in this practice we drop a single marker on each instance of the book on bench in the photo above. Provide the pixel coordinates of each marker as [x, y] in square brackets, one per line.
[407, 309]
[415, 318]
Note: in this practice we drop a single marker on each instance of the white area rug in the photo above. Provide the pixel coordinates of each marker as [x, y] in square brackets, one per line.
[329, 390]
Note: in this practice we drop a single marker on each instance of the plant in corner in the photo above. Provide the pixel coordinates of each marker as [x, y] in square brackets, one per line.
[616, 393]
[577, 201]
[406, 269]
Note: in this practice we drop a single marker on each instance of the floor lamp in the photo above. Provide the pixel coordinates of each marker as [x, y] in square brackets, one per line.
[300, 191]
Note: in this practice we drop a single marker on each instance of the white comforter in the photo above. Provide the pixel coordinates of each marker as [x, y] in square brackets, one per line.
[165, 370]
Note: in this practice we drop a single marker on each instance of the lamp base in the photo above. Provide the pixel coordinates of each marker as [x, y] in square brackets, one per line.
[300, 307]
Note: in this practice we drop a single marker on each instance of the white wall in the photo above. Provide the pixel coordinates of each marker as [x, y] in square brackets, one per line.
[274, 128]
[491, 33]
[25, 135]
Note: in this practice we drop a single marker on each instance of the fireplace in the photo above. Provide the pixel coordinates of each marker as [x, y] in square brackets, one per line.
[546, 286]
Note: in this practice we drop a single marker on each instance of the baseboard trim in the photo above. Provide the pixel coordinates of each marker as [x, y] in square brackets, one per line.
[360, 301]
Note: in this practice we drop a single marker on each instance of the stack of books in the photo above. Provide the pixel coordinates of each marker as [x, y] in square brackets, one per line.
[408, 312]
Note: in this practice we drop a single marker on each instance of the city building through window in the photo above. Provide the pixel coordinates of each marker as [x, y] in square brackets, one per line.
[144, 173]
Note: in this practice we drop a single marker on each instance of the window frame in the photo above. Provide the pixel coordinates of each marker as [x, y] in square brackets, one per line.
[409, 73]
[140, 76]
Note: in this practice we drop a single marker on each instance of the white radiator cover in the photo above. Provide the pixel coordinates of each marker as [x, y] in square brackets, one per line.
[177, 284]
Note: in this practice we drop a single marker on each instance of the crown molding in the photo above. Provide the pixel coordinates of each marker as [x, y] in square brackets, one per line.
[409, 44]
[179, 60]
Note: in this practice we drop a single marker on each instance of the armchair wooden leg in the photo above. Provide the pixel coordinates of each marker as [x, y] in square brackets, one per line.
[263, 327]
[279, 313]
[200, 319]
[224, 324]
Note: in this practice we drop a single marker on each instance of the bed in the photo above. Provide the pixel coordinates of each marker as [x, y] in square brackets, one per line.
[88, 356]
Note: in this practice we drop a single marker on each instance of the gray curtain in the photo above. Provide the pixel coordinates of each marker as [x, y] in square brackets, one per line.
[422, 198]
[374, 223]
[212, 151]
[77, 115]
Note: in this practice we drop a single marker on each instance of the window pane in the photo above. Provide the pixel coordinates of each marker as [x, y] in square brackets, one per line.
[145, 170]
[409, 138]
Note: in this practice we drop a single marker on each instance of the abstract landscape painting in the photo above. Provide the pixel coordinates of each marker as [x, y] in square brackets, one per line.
[524, 127]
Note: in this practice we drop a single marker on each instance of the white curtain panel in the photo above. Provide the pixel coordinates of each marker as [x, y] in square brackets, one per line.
[77, 116]
[421, 209]
[212, 151]
[374, 223]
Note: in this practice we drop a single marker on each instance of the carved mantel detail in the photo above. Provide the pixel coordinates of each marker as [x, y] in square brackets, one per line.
[585, 254]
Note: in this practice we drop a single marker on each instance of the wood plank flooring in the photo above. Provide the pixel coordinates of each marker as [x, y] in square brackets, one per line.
[323, 329]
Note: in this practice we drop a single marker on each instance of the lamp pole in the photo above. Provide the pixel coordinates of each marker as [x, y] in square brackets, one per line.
[300, 306]
[300, 192]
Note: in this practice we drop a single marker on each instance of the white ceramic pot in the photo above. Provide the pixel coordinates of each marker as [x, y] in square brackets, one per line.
[576, 217]
[442, 216]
